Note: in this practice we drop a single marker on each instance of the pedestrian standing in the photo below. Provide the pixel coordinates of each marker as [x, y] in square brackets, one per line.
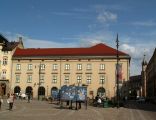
[29, 97]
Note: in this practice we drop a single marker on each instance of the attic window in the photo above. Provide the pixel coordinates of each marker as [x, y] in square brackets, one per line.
[5, 52]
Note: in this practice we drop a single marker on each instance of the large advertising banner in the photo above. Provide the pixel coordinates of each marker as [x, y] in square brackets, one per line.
[74, 93]
[68, 92]
[81, 93]
[55, 94]
[119, 72]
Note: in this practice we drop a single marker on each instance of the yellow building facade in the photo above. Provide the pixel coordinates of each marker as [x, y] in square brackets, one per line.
[7, 50]
[43, 70]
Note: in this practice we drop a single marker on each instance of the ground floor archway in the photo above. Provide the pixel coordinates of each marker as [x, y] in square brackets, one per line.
[17, 89]
[2, 89]
[41, 91]
[101, 91]
[28, 89]
[54, 92]
[54, 89]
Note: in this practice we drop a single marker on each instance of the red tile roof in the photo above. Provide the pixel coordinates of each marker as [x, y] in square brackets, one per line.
[97, 50]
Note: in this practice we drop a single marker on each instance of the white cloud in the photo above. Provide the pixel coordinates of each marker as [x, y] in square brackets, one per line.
[63, 13]
[34, 43]
[89, 42]
[106, 16]
[115, 7]
[128, 48]
[98, 37]
[137, 51]
[145, 23]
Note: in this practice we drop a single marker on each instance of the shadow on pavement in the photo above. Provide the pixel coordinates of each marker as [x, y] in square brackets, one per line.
[140, 106]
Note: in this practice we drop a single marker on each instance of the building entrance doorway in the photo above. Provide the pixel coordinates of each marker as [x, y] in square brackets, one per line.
[2, 89]
[17, 89]
[41, 92]
[101, 91]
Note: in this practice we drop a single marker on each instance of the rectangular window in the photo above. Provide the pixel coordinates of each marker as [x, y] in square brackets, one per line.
[29, 79]
[5, 52]
[29, 66]
[66, 81]
[17, 78]
[42, 66]
[41, 78]
[55, 67]
[89, 79]
[89, 66]
[79, 66]
[54, 79]
[67, 66]
[5, 60]
[18, 67]
[102, 79]
[102, 66]
[79, 79]
[4, 74]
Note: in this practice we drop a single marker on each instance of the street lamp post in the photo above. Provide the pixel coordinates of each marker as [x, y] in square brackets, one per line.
[117, 71]
[39, 79]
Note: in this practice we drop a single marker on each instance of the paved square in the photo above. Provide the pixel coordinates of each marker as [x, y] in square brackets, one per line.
[42, 110]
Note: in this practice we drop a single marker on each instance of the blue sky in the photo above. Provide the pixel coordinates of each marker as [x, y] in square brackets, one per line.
[81, 23]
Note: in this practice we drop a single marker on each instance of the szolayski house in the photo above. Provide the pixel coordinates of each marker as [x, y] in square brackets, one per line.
[43, 70]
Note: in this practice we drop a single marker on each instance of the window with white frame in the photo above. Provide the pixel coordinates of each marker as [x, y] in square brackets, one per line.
[29, 78]
[5, 60]
[17, 78]
[30, 66]
[66, 80]
[67, 66]
[88, 79]
[42, 66]
[54, 79]
[79, 79]
[41, 78]
[18, 67]
[102, 79]
[55, 67]
[102, 66]
[4, 74]
[89, 66]
[79, 66]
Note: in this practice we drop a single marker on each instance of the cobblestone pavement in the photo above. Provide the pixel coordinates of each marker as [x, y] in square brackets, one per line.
[42, 110]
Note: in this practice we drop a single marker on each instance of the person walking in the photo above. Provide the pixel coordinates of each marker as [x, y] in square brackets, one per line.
[1, 101]
[10, 101]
